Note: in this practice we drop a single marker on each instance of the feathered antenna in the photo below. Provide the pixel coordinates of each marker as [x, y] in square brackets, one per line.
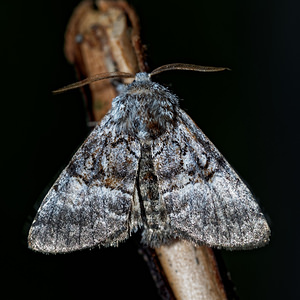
[94, 78]
[187, 67]
[110, 75]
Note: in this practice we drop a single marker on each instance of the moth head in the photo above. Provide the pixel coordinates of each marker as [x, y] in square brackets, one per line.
[142, 76]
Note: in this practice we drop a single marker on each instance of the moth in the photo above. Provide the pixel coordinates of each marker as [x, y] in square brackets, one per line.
[147, 165]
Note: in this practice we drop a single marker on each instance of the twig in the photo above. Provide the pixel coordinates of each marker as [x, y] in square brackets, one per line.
[108, 40]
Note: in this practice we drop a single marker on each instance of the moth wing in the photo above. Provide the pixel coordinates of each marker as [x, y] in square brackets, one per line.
[90, 203]
[205, 199]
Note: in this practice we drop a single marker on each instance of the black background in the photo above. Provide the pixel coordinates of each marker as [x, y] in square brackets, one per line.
[251, 114]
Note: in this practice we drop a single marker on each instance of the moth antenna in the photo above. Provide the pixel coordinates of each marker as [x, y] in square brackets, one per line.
[187, 67]
[94, 78]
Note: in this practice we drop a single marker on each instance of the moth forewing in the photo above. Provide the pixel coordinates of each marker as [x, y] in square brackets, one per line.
[90, 202]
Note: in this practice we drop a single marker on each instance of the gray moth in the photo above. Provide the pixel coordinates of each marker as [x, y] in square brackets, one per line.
[147, 165]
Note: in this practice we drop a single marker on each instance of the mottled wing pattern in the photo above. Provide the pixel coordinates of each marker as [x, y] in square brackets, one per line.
[206, 200]
[90, 203]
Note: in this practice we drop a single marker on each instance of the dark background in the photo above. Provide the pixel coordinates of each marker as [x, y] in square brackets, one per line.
[251, 114]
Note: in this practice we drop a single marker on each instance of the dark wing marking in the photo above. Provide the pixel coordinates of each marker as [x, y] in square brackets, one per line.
[91, 201]
[206, 200]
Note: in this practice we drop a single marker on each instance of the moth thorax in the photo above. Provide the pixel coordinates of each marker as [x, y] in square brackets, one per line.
[146, 109]
[154, 119]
